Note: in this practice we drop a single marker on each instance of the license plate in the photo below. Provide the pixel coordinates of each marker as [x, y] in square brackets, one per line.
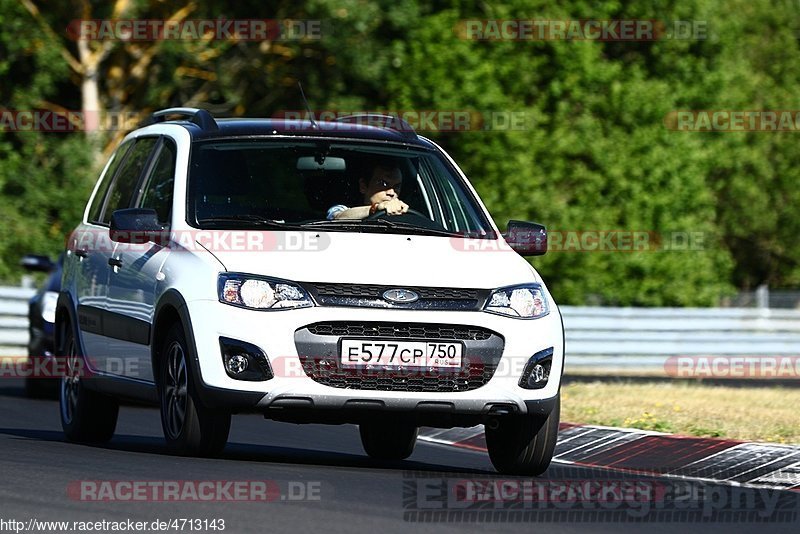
[423, 354]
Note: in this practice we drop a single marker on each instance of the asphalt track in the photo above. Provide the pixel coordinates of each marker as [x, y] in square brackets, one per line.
[320, 481]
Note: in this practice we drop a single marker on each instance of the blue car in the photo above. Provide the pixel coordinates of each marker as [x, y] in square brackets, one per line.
[41, 319]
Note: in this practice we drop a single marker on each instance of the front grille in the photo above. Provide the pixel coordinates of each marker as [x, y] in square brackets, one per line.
[318, 349]
[400, 330]
[376, 291]
[471, 377]
[371, 296]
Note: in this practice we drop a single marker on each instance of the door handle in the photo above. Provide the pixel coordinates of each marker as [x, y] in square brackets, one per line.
[81, 253]
[115, 262]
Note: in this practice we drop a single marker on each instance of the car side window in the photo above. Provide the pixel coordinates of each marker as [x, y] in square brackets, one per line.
[453, 202]
[122, 189]
[157, 189]
[97, 202]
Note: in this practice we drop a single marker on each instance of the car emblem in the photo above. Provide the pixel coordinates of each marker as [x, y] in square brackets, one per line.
[400, 296]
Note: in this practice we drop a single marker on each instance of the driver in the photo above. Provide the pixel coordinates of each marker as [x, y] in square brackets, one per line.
[380, 193]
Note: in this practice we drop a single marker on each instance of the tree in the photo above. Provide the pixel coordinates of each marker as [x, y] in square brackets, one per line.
[594, 155]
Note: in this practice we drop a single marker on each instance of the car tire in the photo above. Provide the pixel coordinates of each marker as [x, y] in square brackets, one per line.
[388, 441]
[190, 428]
[524, 444]
[86, 416]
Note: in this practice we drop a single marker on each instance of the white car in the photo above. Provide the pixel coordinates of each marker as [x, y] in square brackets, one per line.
[322, 272]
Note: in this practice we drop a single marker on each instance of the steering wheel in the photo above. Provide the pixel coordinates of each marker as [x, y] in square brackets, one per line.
[380, 214]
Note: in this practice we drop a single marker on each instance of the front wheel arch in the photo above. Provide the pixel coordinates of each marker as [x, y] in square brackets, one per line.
[167, 317]
[65, 318]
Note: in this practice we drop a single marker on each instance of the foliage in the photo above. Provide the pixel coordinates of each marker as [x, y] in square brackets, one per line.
[594, 154]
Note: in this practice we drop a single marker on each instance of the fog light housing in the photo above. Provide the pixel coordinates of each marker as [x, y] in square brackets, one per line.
[244, 361]
[537, 370]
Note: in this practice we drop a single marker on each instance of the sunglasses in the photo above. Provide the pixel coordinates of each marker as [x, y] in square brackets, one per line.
[384, 185]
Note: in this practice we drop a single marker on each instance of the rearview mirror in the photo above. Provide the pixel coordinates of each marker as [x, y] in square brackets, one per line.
[310, 163]
[526, 238]
[134, 225]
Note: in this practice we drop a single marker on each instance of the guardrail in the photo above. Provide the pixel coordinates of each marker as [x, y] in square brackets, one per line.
[644, 339]
[14, 320]
[605, 340]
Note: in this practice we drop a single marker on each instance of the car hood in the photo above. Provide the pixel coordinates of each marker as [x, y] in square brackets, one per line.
[369, 258]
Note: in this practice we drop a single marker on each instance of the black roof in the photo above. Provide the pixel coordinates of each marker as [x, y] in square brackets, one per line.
[367, 127]
[228, 128]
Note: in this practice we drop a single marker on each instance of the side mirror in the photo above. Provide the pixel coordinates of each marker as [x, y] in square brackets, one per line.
[134, 225]
[35, 262]
[526, 238]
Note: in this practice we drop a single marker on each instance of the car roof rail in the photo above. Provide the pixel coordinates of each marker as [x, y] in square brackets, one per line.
[200, 117]
[392, 122]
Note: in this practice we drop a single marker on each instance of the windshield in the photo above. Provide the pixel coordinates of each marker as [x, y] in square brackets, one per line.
[330, 185]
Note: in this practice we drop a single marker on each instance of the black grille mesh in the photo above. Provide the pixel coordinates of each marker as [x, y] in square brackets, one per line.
[400, 330]
[376, 291]
[471, 377]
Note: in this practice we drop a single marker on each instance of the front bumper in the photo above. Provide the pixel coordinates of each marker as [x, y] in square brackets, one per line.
[292, 395]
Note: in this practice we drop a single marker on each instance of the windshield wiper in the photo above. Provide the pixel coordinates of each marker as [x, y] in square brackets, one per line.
[380, 224]
[413, 227]
[249, 220]
[345, 225]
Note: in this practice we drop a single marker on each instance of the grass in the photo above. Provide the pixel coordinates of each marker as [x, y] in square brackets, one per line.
[770, 414]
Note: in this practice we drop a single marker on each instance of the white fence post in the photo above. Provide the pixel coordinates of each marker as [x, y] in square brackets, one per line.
[14, 320]
[762, 296]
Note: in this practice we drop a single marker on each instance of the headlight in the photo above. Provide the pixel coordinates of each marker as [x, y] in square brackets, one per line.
[260, 293]
[49, 301]
[525, 302]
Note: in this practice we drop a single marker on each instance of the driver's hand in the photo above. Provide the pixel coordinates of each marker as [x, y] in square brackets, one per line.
[394, 206]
